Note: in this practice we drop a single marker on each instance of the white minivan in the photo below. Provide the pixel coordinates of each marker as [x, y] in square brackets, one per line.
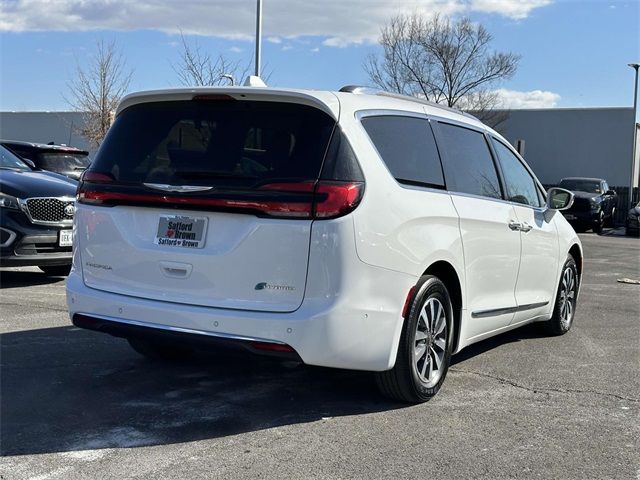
[345, 229]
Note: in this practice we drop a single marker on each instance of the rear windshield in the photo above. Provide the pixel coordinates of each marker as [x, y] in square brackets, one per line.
[589, 186]
[63, 161]
[217, 143]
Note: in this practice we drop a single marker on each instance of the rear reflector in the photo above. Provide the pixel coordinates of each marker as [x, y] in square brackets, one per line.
[272, 347]
[407, 302]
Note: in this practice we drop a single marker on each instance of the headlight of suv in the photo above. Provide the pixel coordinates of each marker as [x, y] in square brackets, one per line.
[7, 201]
[594, 203]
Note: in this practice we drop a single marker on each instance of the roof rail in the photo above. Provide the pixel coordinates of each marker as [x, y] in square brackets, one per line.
[423, 101]
[360, 89]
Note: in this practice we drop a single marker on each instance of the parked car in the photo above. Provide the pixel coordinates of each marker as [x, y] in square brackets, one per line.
[632, 223]
[36, 216]
[349, 230]
[69, 161]
[594, 205]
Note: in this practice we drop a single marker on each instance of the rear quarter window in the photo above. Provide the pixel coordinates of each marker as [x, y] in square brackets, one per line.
[407, 147]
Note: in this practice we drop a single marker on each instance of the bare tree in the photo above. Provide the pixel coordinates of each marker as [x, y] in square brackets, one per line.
[97, 88]
[198, 68]
[440, 60]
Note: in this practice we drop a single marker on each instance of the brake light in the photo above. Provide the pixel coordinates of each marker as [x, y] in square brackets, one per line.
[323, 200]
[339, 199]
[96, 177]
[212, 97]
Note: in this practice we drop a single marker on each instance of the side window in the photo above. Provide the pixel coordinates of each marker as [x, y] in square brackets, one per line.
[605, 187]
[520, 185]
[468, 164]
[407, 147]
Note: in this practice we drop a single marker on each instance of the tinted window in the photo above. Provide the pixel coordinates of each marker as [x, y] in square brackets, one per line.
[63, 161]
[221, 143]
[520, 185]
[581, 185]
[9, 160]
[468, 164]
[407, 147]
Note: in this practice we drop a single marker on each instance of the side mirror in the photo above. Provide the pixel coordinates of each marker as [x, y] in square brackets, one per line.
[610, 192]
[559, 199]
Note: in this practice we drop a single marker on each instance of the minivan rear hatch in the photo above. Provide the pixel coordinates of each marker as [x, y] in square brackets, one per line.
[209, 201]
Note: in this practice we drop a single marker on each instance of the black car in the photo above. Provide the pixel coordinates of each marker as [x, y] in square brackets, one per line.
[36, 216]
[594, 205]
[69, 161]
[632, 223]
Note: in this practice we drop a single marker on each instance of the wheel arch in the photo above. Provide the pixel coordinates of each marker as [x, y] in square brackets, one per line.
[447, 273]
[576, 252]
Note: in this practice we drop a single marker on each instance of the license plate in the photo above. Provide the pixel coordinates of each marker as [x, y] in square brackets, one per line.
[66, 238]
[568, 216]
[180, 231]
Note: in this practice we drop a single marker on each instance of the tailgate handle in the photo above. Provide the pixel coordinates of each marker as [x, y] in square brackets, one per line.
[175, 269]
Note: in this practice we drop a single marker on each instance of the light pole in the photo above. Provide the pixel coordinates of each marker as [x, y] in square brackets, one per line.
[635, 66]
[258, 36]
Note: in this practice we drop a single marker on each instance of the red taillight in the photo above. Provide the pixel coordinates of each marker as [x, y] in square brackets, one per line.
[96, 177]
[324, 199]
[334, 199]
[93, 177]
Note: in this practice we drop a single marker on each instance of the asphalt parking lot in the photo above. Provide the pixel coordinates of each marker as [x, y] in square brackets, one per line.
[77, 404]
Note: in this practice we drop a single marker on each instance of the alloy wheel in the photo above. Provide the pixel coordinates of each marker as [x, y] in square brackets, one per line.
[430, 342]
[567, 296]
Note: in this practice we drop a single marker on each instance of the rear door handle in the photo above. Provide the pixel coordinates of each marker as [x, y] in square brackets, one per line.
[515, 226]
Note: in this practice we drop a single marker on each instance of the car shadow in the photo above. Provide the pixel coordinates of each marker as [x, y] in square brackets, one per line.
[532, 330]
[26, 278]
[66, 389]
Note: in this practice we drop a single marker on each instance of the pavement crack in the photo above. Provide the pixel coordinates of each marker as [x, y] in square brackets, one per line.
[547, 390]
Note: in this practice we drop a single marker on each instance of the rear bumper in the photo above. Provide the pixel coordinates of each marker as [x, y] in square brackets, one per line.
[181, 336]
[356, 330]
[582, 217]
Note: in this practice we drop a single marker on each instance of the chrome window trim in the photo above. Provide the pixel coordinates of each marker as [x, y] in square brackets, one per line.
[171, 328]
[23, 206]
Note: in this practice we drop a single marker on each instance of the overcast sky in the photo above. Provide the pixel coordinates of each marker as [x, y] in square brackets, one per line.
[574, 52]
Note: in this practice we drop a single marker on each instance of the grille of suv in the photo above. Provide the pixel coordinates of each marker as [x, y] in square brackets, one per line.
[49, 210]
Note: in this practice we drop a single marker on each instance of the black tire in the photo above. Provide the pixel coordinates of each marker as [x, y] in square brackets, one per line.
[560, 323]
[403, 382]
[598, 224]
[56, 270]
[160, 351]
[611, 222]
